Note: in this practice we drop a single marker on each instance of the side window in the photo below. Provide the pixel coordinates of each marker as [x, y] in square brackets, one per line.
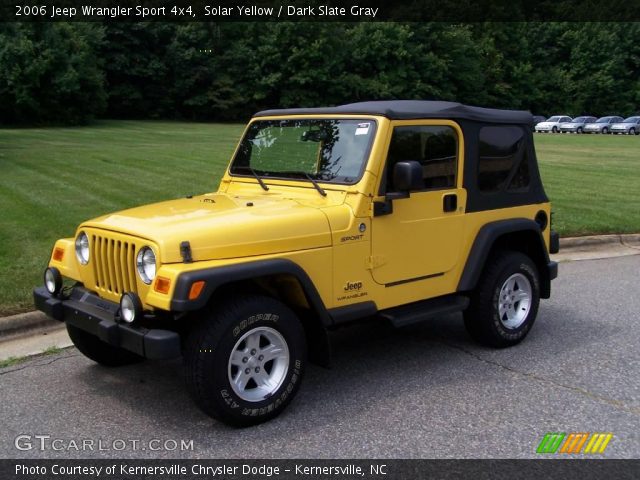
[435, 147]
[503, 162]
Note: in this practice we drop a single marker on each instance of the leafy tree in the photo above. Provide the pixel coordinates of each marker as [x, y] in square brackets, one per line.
[49, 72]
[69, 73]
[136, 68]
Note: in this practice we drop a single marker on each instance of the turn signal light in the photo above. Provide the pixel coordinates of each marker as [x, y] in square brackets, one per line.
[58, 254]
[196, 289]
[162, 285]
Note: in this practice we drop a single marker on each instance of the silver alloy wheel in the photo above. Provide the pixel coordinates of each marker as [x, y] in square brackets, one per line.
[515, 301]
[258, 364]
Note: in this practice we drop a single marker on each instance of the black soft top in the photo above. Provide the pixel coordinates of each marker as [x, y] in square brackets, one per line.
[414, 109]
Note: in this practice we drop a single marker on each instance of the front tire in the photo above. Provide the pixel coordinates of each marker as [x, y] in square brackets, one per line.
[505, 303]
[245, 360]
[100, 352]
[632, 131]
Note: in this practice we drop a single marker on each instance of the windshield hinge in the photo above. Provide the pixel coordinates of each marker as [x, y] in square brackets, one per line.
[185, 252]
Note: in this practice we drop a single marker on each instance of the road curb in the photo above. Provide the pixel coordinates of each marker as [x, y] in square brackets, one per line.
[627, 239]
[34, 322]
[16, 325]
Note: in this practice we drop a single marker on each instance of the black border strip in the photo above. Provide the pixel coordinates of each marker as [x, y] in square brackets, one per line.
[286, 11]
[544, 467]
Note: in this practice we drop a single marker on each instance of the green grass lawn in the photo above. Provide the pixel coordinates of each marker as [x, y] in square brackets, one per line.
[593, 182]
[51, 179]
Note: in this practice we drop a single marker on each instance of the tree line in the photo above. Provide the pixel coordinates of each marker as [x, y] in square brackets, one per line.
[70, 73]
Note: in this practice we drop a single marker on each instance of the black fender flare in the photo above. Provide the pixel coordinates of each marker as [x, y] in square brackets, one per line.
[485, 241]
[218, 276]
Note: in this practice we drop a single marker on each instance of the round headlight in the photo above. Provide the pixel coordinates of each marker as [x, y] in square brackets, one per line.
[82, 248]
[146, 262]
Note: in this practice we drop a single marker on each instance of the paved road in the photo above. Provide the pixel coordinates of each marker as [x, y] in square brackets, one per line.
[427, 392]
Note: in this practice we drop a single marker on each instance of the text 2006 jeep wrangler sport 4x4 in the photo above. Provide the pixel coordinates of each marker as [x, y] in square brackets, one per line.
[393, 210]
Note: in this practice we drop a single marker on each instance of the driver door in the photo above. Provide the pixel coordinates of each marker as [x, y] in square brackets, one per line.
[420, 238]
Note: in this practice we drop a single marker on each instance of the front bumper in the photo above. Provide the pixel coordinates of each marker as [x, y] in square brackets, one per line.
[96, 316]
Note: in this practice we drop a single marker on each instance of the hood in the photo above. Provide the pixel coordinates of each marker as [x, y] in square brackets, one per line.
[221, 226]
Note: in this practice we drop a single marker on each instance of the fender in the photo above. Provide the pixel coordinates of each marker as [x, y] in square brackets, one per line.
[216, 277]
[317, 335]
[484, 242]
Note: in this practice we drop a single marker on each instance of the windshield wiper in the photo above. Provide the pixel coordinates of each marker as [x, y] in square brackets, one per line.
[255, 174]
[311, 179]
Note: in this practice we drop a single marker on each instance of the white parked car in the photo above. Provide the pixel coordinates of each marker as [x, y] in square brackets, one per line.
[552, 124]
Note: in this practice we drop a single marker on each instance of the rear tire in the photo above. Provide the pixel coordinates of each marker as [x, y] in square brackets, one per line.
[245, 360]
[505, 303]
[100, 352]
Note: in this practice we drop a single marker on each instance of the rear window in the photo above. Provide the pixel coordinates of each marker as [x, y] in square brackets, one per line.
[503, 162]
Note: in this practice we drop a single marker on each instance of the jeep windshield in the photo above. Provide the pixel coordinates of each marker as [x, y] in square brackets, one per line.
[324, 150]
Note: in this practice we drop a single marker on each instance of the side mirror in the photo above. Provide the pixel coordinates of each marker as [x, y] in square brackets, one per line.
[407, 176]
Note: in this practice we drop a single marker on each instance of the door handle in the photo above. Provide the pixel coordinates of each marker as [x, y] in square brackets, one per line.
[450, 202]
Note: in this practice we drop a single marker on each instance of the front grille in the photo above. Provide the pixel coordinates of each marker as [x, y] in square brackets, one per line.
[114, 267]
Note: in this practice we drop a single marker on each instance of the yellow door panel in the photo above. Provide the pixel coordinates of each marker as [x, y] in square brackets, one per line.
[418, 239]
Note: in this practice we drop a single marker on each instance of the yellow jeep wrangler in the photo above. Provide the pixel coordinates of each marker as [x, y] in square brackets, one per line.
[392, 211]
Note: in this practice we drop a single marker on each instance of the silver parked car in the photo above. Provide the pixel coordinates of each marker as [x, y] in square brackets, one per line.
[602, 125]
[630, 126]
[552, 124]
[576, 125]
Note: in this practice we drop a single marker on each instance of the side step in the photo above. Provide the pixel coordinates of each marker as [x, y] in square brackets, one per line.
[419, 311]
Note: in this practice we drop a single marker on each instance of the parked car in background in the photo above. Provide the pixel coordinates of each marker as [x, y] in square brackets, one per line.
[630, 126]
[602, 125]
[552, 124]
[576, 125]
